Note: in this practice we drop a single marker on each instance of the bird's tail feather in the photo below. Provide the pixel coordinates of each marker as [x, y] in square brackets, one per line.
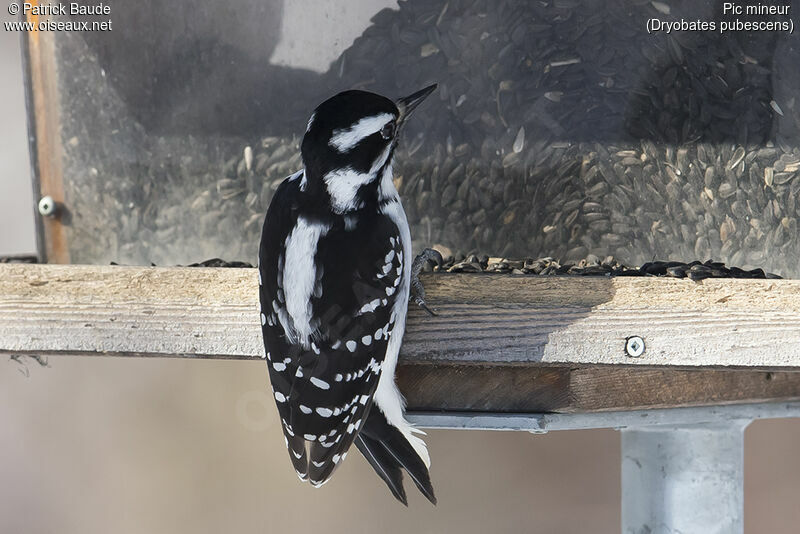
[389, 452]
[298, 455]
[384, 464]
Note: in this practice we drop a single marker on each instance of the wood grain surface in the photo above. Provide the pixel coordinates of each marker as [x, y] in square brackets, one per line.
[499, 343]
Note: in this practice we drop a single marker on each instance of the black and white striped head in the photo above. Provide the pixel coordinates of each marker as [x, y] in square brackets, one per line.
[348, 146]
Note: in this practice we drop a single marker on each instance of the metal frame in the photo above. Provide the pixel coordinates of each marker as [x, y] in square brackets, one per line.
[540, 423]
[682, 468]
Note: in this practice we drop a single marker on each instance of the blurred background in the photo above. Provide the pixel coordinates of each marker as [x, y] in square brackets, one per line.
[95, 445]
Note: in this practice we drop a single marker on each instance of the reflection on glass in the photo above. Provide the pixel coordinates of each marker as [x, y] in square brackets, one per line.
[560, 128]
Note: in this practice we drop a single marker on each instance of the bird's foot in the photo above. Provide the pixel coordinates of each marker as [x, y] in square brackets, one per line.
[417, 290]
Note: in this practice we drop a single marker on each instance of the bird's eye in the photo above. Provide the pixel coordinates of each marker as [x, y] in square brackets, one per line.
[387, 132]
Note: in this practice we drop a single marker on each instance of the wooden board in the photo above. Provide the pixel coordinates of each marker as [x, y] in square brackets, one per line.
[482, 318]
[46, 148]
[499, 343]
[528, 389]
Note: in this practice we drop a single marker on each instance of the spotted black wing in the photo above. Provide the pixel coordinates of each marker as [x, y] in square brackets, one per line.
[323, 385]
[282, 355]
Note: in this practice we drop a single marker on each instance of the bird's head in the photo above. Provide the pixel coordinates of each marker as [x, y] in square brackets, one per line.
[349, 142]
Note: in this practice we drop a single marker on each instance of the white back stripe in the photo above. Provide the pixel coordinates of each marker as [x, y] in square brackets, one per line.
[299, 276]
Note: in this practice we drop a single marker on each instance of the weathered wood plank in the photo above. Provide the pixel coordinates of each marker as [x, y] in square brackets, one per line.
[482, 318]
[499, 344]
[139, 311]
[585, 321]
[46, 147]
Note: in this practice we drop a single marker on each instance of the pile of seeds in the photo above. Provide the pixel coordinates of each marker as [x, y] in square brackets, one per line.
[23, 258]
[593, 266]
[562, 127]
[559, 128]
[589, 266]
[216, 262]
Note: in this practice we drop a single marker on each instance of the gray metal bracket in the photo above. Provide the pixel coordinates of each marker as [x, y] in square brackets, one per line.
[546, 422]
[682, 468]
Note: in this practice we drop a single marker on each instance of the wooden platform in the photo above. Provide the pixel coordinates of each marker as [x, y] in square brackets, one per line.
[501, 343]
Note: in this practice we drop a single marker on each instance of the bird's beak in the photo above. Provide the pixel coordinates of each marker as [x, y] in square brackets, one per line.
[408, 104]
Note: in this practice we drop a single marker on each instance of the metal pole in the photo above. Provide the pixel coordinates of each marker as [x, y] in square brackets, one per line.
[686, 479]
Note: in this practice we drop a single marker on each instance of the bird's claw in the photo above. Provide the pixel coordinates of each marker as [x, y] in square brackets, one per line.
[417, 289]
[421, 303]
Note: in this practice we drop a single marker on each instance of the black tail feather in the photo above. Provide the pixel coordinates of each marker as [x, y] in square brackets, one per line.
[391, 451]
[297, 446]
[404, 453]
[320, 462]
[384, 464]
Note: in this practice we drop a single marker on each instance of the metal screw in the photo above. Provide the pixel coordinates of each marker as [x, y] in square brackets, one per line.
[47, 206]
[634, 346]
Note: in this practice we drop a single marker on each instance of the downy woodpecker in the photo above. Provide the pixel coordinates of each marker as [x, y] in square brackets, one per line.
[335, 276]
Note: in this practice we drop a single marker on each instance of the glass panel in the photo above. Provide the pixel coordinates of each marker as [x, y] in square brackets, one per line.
[560, 128]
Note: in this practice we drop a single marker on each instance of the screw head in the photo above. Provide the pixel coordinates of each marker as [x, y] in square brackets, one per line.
[634, 346]
[47, 206]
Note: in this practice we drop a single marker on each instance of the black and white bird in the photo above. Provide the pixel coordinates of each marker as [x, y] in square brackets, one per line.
[335, 277]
